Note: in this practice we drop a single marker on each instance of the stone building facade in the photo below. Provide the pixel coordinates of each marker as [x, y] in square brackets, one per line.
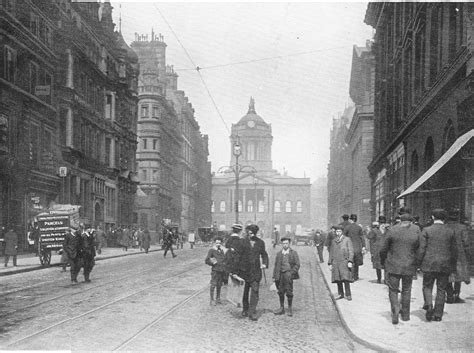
[172, 156]
[68, 106]
[351, 148]
[266, 197]
[423, 107]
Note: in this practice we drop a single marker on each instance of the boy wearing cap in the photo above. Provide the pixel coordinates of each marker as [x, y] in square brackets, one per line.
[341, 259]
[287, 264]
[215, 259]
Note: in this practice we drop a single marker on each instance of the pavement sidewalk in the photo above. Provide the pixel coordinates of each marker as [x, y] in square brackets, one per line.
[368, 317]
[30, 262]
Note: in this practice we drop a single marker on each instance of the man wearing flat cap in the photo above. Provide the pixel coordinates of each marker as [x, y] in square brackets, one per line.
[354, 232]
[437, 255]
[287, 264]
[253, 259]
[398, 256]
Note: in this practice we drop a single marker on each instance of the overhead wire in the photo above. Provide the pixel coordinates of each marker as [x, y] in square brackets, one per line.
[196, 68]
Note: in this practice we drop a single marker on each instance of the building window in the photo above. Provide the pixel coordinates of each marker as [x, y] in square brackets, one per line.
[144, 111]
[144, 144]
[288, 206]
[288, 228]
[144, 175]
[154, 175]
[156, 112]
[34, 69]
[34, 146]
[222, 206]
[277, 206]
[213, 207]
[261, 207]
[155, 142]
[249, 206]
[9, 70]
[299, 206]
[34, 24]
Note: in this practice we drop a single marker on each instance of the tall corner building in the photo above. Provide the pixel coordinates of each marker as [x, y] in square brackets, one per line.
[265, 197]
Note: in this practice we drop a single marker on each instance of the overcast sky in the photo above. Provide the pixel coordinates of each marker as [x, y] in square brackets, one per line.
[299, 90]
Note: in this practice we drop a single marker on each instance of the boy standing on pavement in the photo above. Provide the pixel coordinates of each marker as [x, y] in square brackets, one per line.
[215, 259]
[341, 259]
[287, 264]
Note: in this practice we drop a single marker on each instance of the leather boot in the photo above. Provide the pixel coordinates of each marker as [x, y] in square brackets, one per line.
[281, 311]
[290, 306]
[218, 295]
[211, 292]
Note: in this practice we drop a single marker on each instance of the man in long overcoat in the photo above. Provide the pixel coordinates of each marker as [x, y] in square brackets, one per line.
[253, 260]
[398, 255]
[287, 264]
[376, 238]
[88, 245]
[355, 233]
[341, 259]
[11, 246]
[461, 274]
[72, 245]
[437, 255]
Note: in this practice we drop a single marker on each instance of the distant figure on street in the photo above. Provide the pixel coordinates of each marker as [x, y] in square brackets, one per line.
[88, 252]
[398, 256]
[354, 232]
[101, 240]
[461, 274]
[276, 237]
[287, 264]
[191, 239]
[168, 239]
[341, 259]
[215, 258]
[11, 246]
[72, 245]
[437, 256]
[319, 241]
[146, 240]
[376, 238]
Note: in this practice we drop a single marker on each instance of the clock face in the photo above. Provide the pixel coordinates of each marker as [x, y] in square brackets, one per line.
[251, 123]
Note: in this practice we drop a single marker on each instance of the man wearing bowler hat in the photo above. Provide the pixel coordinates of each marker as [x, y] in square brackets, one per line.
[253, 250]
[354, 232]
[437, 255]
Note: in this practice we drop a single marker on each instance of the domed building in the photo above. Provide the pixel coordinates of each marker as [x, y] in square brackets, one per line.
[265, 197]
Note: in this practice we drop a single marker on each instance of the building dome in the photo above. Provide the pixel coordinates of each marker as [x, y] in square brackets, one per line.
[252, 117]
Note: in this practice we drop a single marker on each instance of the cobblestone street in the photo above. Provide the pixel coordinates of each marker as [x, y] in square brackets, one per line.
[146, 302]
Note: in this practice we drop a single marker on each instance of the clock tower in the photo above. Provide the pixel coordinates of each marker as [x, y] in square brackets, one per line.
[255, 137]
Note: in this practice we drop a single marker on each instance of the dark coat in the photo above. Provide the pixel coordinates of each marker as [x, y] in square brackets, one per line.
[126, 238]
[219, 266]
[146, 239]
[340, 255]
[88, 245]
[462, 244]
[11, 243]
[399, 249]
[438, 251]
[234, 251]
[376, 239]
[355, 233]
[250, 259]
[319, 240]
[72, 245]
[294, 261]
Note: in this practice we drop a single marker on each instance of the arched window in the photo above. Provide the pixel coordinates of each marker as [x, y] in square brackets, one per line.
[249, 206]
[299, 206]
[213, 207]
[222, 206]
[288, 206]
[277, 206]
[261, 207]
[449, 136]
[428, 158]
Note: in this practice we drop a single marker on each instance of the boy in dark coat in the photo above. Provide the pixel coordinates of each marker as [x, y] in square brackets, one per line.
[72, 245]
[215, 258]
[287, 264]
[341, 260]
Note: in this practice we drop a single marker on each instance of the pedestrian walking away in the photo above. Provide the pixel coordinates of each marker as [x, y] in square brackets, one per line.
[88, 252]
[437, 256]
[354, 232]
[461, 273]
[341, 260]
[168, 238]
[146, 240]
[287, 265]
[376, 238]
[191, 239]
[398, 256]
[276, 237]
[101, 240]
[215, 258]
[319, 241]
[11, 246]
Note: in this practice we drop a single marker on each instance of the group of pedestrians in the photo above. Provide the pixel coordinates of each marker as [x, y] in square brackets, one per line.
[244, 259]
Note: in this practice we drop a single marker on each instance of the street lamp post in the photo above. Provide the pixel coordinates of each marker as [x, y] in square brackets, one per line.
[237, 152]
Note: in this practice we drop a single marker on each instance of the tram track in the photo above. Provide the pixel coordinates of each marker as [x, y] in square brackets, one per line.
[86, 289]
[189, 268]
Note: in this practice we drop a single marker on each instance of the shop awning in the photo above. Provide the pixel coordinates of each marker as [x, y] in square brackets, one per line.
[456, 146]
